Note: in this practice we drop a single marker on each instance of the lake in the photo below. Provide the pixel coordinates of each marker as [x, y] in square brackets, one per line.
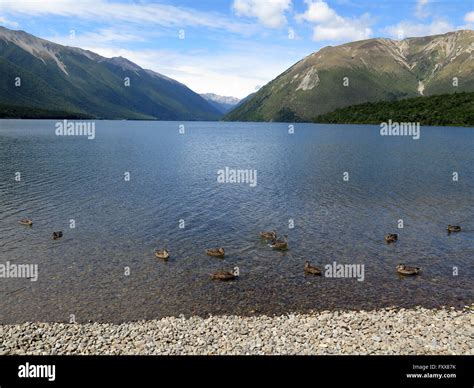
[144, 185]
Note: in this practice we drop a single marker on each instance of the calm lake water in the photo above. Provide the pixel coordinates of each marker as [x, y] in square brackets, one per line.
[173, 177]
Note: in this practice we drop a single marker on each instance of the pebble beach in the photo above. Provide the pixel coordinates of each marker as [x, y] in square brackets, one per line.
[397, 331]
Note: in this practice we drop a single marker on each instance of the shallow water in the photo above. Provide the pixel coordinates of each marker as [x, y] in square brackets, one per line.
[173, 177]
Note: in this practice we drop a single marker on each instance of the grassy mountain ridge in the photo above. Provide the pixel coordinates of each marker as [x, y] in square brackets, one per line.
[364, 71]
[67, 79]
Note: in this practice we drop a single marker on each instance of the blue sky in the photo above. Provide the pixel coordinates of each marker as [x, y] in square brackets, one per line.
[229, 47]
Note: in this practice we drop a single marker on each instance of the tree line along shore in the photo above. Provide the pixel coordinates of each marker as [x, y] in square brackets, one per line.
[455, 109]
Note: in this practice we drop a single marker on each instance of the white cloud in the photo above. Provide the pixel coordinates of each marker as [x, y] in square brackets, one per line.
[421, 8]
[270, 13]
[104, 35]
[469, 17]
[112, 38]
[329, 25]
[105, 11]
[8, 23]
[351, 32]
[406, 29]
[319, 12]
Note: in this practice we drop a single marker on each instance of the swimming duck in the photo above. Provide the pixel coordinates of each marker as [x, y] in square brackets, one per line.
[226, 275]
[216, 252]
[311, 269]
[407, 270]
[268, 235]
[454, 228]
[391, 237]
[162, 254]
[57, 235]
[280, 244]
[26, 222]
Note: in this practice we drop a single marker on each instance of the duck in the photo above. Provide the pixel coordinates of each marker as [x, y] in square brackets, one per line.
[311, 269]
[26, 222]
[268, 235]
[162, 254]
[454, 228]
[216, 252]
[57, 235]
[407, 270]
[226, 275]
[280, 244]
[391, 237]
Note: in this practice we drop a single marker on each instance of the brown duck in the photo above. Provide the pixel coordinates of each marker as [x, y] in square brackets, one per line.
[162, 254]
[403, 269]
[226, 275]
[311, 269]
[453, 228]
[280, 244]
[391, 237]
[26, 222]
[268, 235]
[216, 252]
[57, 235]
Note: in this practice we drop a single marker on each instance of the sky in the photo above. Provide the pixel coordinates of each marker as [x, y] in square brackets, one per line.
[227, 47]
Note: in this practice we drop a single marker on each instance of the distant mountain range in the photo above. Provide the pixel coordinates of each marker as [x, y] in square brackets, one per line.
[222, 103]
[364, 71]
[61, 81]
[56, 78]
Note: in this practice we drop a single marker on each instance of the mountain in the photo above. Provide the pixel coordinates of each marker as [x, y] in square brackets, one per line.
[222, 103]
[59, 78]
[375, 70]
[241, 102]
[245, 99]
[455, 109]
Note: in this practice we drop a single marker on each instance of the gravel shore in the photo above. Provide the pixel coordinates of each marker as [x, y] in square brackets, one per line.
[386, 331]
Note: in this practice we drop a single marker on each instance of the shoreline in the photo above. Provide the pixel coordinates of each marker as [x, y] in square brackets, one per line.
[371, 123]
[392, 330]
